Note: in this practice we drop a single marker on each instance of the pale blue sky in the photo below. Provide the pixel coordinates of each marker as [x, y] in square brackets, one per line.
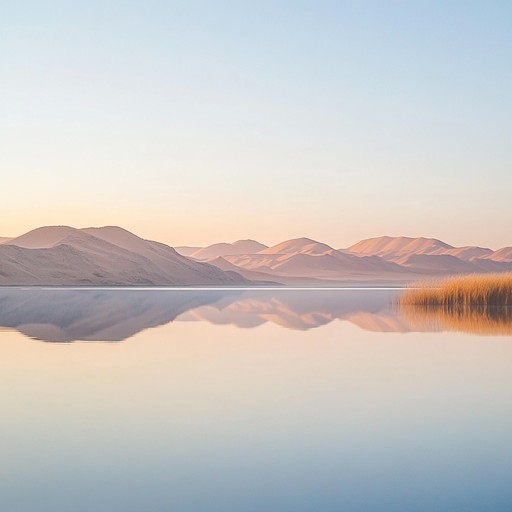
[194, 122]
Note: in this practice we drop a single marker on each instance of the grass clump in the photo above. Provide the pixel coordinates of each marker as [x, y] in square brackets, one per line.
[488, 290]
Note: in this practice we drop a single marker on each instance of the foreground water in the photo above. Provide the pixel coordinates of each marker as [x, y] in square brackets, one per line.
[248, 401]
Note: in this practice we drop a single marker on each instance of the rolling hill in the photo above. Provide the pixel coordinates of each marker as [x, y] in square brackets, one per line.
[110, 255]
[226, 249]
[63, 255]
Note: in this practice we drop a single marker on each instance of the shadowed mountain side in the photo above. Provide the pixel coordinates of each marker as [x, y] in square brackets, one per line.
[435, 264]
[490, 265]
[443, 264]
[466, 253]
[504, 254]
[93, 315]
[112, 256]
[263, 277]
[332, 265]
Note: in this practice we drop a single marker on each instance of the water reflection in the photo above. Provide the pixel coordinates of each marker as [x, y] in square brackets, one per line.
[484, 320]
[64, 315]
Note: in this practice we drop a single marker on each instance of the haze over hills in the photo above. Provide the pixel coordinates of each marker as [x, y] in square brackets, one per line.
[399, 258]
[62, 255]
[504, 255]
[226, 249]
[393, 248]
[298, 246]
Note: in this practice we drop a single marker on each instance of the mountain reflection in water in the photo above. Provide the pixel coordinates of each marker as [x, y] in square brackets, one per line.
[65, 315]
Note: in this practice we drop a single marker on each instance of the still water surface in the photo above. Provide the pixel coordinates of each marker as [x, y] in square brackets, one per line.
[283, 400]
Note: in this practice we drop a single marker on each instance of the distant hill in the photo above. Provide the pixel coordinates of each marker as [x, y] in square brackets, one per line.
[296, 246]
[226, 249]
[504, 255]
[307, 258]
[391, 247]
[186, 250]
[111, 255]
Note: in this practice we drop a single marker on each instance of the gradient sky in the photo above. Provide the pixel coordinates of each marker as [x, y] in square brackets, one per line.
[193, 122]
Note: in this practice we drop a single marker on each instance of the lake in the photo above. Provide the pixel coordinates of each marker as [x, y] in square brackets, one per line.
[250, 400]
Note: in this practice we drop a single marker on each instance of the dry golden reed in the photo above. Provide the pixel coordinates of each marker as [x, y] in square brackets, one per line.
[470, 290]
[477, 304]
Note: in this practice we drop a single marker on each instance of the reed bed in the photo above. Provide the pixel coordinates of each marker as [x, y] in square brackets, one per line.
[478, 304]
[491, 290]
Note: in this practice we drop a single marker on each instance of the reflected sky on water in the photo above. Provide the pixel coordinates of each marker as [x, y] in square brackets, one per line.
[247, 401]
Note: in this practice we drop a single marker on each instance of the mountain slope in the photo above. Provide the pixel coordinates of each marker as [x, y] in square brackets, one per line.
[297, 245]
[388, 246]
[468, 253]
[186, 250]
[68, 256]
[312, 262]
[44, 237]
[437, 264]
[504, 254]
[226, 249]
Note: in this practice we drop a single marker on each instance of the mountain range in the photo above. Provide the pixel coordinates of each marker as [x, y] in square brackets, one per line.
[112, 256]
[398, 258]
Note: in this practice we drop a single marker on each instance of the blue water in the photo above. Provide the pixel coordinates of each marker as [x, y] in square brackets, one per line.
[123, 400]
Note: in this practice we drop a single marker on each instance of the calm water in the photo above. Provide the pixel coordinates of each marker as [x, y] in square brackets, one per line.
[123, 400]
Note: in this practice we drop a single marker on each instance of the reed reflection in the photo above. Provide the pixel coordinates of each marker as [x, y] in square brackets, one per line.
[66, 315]
[471, 319]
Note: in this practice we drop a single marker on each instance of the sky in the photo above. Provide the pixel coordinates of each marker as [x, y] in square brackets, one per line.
[193, 122]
